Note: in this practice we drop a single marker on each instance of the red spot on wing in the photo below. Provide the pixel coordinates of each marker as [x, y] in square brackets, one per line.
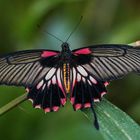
[47, 110]
[106, 84]
[48, 53]
[72, 100]
[87, 105]
[63, 101]
[83, 51]
[78, 106]
[55, 108]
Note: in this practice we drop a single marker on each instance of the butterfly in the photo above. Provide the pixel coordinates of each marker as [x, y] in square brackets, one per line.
[50, 77]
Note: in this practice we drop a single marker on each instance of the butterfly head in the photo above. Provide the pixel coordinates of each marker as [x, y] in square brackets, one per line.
[65, 47]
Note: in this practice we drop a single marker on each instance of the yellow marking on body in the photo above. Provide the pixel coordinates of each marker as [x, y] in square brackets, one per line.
[66, 75]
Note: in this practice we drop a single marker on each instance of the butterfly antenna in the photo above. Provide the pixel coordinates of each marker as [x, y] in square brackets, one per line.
[74, 28]
[54, 36]
[96, 124]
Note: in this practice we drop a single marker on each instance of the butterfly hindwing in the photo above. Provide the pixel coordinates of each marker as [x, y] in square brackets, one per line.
[85, 88]
[49, 93]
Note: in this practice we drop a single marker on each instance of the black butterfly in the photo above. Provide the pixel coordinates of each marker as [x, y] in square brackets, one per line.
[50, 76]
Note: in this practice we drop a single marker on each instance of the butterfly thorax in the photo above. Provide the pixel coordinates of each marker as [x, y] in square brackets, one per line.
[66, 52]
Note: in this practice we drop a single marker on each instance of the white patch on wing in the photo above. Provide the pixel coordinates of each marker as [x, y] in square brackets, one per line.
[50, 73]
[54, 80]
[89, 82]
[58, 75]
[49, 82]
[74, 76]
[40, 84]
[59, 81]
[78, 77]
[43, 86]
[93, 80]
[84, 80]
[96, 100]
[82, 71]
[74, 73]
[103, 93]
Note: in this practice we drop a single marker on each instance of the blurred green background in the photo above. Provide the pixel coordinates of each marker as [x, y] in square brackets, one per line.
[22, 26]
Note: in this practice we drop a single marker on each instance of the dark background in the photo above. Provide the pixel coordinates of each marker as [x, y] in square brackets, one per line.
[22, 26]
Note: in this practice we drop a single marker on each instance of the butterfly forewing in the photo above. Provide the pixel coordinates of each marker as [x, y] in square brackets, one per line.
[110, 62]
[24, 68]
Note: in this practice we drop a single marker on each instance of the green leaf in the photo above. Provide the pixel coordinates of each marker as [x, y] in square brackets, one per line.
[114, 123]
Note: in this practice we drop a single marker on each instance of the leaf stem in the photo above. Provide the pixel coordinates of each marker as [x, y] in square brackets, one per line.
[13, 104]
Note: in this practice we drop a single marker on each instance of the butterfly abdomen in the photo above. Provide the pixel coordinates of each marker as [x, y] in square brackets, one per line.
[66, 77]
